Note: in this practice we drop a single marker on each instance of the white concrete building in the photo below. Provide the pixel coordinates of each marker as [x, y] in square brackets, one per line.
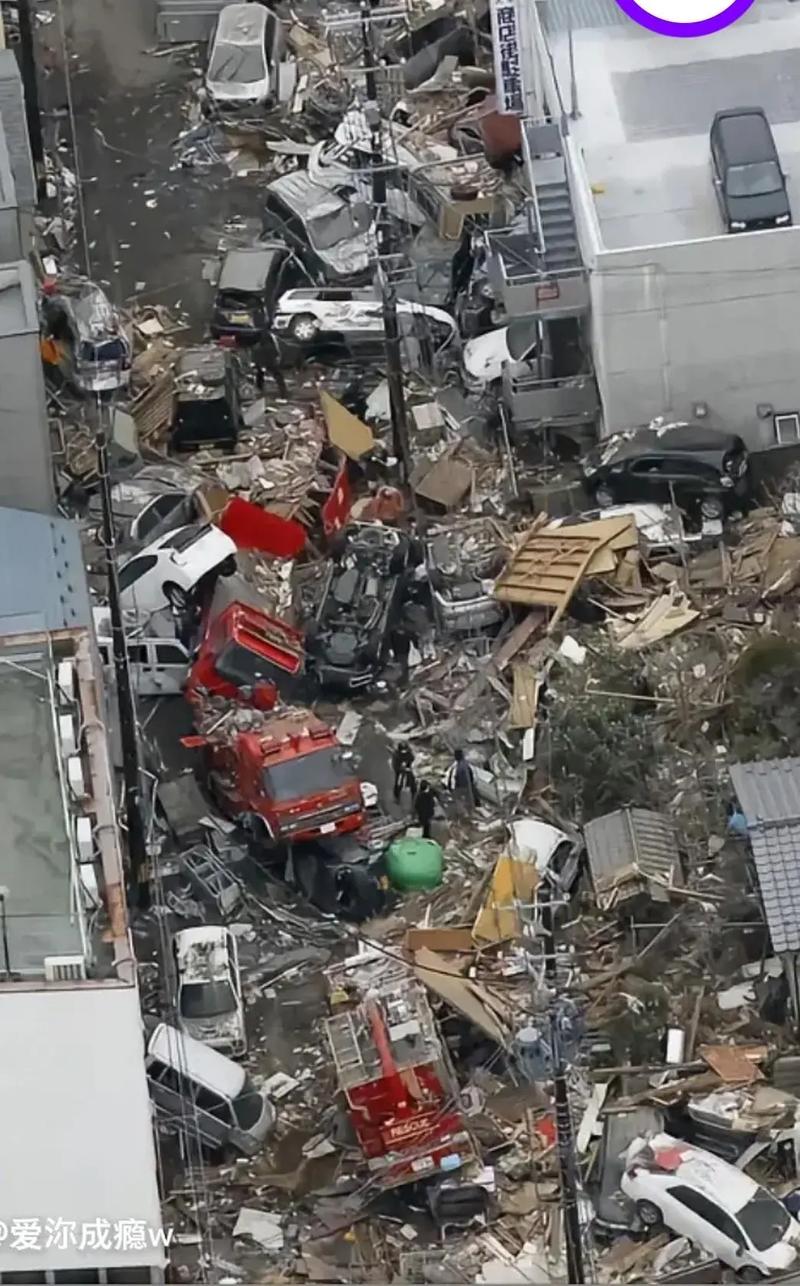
[79, 1199]
[684, 319]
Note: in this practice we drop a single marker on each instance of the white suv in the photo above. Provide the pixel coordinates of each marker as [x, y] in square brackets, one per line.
[712, 1203]
[167, 571]
[209, 1002]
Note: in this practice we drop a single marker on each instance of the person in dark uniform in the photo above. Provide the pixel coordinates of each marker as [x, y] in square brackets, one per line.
[401, 648]
[267, 362]
[402, 765]
[460, 781]
[425, 807]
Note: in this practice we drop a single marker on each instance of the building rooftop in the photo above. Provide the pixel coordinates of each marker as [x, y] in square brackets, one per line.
[43, 587]
[646, 104]
[74, 1102]
[768, 791]
[36, 856]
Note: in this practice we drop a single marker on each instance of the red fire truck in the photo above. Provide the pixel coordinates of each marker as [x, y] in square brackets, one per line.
[281, 774]
[245, 655]
[395, 1073]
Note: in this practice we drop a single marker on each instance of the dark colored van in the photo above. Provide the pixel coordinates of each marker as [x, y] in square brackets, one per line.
[251, 281]
[748, 179]
[205, 410]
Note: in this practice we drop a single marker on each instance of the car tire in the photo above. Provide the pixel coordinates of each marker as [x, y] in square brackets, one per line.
[175, 596]
[711, 507]
[604, 497]
[749, 1274]
[649, 1214]
[304, 327]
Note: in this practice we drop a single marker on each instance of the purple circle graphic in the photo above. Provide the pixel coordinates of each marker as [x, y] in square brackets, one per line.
[685, 29]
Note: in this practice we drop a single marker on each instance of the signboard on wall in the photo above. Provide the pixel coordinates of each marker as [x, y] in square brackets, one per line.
[507, 70]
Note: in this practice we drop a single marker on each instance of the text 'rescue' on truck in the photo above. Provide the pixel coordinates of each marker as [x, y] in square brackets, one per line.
[281, 775]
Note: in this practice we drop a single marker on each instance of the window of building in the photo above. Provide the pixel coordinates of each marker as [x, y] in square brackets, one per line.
[21, 1279]
[787, 428]
[76, 1277]
[128, 1276]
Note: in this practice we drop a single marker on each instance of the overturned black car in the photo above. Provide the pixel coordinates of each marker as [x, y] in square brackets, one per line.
[348, 639]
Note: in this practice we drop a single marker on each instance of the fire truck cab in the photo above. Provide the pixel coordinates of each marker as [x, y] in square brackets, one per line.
[395, 1073]
[282, 776]
[245, 655]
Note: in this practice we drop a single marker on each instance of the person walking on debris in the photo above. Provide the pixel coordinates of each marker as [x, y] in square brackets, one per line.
[460, 781]
[402, 765]
[425, 807]
[401, 649]
[267, 362]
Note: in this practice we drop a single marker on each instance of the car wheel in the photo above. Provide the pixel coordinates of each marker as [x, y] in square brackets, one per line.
[649, 1214]
[304, 327]
[175, 596]
[711, 507]
[605, 497]
[749, 1274]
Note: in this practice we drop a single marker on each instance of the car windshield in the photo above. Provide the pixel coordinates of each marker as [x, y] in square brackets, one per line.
[237, 64]
[109, 350]
[764, 1219]
[521, 338]
[206, 1000]
[240, 665]
[327, 230]
[322, 770]
[754, 180]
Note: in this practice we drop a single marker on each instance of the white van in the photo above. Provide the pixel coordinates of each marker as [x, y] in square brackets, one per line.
[158, 662]
[192, 1084]
[209, 990]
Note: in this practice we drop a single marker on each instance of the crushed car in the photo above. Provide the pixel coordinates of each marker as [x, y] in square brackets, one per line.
[349, 636]
[349, 323]
[463, 559]
[702, 470]
[94, 351]
[706, 1199]
[176, 568]
[251, 280]
[208, 1001]
[486, 358]
[247, 63]
[330, 234]
[206, 410]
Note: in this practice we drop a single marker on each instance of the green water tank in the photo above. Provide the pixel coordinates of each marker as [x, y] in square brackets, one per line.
[414, 864]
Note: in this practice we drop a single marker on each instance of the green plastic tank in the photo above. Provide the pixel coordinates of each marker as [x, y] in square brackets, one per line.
[413, 864]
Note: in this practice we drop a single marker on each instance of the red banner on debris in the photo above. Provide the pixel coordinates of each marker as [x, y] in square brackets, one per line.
[336, 509]
[251, 527]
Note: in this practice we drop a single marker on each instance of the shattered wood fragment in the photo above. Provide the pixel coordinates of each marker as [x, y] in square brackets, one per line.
[527, 687]
[731, 1064]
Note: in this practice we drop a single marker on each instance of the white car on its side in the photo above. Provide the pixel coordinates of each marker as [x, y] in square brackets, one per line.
[209, 1000]
[172, 568]
[701, 1197]
[312, 321]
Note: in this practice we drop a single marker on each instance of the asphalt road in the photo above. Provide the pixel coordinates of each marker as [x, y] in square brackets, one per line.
[150, 223]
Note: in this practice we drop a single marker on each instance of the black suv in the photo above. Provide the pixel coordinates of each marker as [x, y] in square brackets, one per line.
[702, 470]
[748, 179]
[348, 641]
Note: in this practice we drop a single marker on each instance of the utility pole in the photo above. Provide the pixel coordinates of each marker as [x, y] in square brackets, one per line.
[33, 114]
[131, 775]
[564, 1135]
[394, 369]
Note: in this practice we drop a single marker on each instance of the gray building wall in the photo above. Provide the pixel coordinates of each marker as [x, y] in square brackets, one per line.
[26, 469]
[11, 237]
[15, 126]
[712, 321]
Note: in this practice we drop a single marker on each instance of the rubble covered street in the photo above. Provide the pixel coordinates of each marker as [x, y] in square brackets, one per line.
[468, 750]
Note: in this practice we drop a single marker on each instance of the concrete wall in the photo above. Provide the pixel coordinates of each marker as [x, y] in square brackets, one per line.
[15, 128]
[715, 321]
[26, 469]
[11, 236]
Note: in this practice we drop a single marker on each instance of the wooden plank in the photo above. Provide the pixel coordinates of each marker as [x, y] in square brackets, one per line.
[526, 696]
[572, 560]
[506, 649]
[440, 939]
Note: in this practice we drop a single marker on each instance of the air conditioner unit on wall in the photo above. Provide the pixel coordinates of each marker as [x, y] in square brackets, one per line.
[68, 734]
[65, 680]
[84, 839]
[64, 968]
[75, 777]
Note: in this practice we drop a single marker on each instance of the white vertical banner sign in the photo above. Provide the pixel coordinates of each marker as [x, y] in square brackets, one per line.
[505, 42]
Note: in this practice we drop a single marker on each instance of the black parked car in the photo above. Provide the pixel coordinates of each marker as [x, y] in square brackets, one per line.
[701, 470]
[206, 408]
[748, 179]
[251, 281]
[348, 640]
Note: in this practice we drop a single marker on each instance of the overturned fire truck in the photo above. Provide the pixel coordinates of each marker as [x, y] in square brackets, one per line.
[399, 1085]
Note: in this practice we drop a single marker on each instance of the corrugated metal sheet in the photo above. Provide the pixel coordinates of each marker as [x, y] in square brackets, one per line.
[768, 791]
[629, 848]
[582, 14]
[43, 586]
[181, 21]
[15, 128]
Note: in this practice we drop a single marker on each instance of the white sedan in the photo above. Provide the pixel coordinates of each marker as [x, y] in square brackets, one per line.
[701, 1197]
